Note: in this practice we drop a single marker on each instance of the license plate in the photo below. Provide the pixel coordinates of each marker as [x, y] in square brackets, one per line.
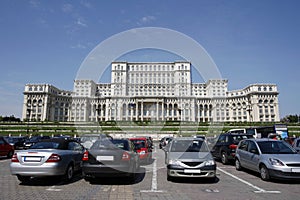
[194, 171]
[32, 159]
[295, 170]
[105, 158]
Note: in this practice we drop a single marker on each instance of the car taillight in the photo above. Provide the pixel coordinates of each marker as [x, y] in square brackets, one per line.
[232, 146]
[125, 156]
[54, 158]
[85, 156]
[14, 158]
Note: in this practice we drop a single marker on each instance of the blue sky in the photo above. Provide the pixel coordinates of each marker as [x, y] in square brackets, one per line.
[250, 41]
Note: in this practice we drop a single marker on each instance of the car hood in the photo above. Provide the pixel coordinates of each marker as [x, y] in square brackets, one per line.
[190, 156]
[286, 158]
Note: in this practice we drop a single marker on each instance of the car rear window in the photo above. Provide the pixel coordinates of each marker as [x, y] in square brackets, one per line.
[139, 143]
[110, 144]
[238, 138]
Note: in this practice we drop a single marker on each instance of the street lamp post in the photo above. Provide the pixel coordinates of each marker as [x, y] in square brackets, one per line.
[98, 111]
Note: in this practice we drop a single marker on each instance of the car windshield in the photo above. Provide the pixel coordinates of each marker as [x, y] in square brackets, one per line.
[46, 145]
[189, 146]
[110, 144]
[275, 147]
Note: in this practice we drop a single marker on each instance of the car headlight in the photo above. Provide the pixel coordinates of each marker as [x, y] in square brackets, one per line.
[142, 152]
[276, 162]
[174, 162]
[209, 163]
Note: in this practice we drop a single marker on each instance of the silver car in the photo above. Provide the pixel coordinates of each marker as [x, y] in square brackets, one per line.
[51, 157]
[189, 157]
[271, 158]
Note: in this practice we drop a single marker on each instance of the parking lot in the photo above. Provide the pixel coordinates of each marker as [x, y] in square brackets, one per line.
[151, 183]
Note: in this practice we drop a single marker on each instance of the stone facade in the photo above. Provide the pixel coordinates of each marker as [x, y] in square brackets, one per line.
[151, 91]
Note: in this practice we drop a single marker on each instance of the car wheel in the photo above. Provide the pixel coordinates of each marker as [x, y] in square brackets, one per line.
[238, 165]
[169, 178]
[88, 179]
[10, 154]
[69, 173]
[224, 158]
[23, 179]
[264, 173]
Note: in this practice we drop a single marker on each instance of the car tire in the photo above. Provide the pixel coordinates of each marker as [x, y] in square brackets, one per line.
[23, 179]
[10, 154]
[238, 165]
[69, 173]
[264, 173]
[224, 158]
[169, 178]
[88, 179]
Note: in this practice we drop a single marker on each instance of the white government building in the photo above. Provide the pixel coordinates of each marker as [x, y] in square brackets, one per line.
[158, 91]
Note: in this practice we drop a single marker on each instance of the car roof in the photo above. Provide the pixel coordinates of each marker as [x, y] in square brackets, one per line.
[138, 138]
[263, 139]
[94, 134]
[228, 133]
[187, 138]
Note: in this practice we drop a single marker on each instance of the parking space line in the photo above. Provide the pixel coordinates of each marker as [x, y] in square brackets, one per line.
[52, 188]
[258, 189]
[154, 176]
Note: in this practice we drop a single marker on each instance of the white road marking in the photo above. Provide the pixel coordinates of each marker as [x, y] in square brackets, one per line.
[52, 188]
[154, 176]
[258, 189]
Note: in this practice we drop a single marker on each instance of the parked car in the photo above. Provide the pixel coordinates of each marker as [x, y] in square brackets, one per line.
[271, 158]
[144, 148]
[5, 148]
[296, 144]
[50, 157]
[225, 146]
[34, 139]
[189, 157]
[87, 140]
[111, 158]
[164, 141]
[16, 141]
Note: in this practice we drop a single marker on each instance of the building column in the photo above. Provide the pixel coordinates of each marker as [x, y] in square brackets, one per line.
[163, 111]
[142, 111]
[157, 111]
[137, 111]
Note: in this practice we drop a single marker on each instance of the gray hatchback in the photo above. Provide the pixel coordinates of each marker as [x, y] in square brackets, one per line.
[271, 158]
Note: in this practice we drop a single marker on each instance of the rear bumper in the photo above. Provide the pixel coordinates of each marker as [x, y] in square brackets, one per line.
[47, 169]
[96, 170]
